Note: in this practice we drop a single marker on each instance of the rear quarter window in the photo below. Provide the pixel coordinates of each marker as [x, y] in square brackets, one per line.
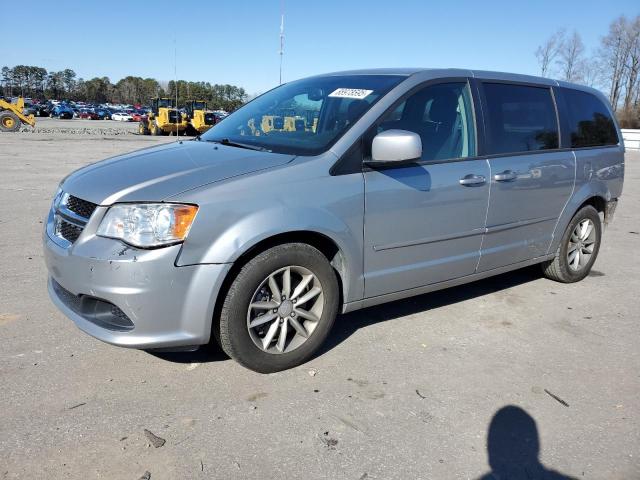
[519, 118]
[590, 123]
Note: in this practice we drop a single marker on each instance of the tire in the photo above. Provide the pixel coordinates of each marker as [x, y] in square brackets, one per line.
[142, 129]
[190, 131]
[155, 130]
[563, 267]
[9, 121]
[241, 343]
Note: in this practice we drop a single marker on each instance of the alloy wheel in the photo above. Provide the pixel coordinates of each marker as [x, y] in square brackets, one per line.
[285, 309]
[581, 245]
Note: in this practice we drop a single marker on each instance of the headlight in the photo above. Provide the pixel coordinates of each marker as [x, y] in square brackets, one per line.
[148, 224]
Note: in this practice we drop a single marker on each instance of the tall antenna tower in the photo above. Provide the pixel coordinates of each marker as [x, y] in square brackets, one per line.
[175, 79]
[281, 52]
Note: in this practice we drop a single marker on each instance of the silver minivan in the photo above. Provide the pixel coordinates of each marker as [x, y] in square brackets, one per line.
[331, 194]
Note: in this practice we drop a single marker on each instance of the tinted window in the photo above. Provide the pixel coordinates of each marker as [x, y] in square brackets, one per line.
[590, 123]
[519, 118]
[442, 116]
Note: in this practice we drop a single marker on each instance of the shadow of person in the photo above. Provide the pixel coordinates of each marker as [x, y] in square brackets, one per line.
[513, 447]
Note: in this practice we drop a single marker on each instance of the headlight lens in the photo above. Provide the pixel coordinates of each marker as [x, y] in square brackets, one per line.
[148, 224]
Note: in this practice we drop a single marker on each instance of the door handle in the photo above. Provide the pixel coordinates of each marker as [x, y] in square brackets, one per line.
[506, 176]
[472, 180]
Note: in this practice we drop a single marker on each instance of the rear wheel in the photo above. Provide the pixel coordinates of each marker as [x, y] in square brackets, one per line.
[578, 248]
[9, 122]
[280, 308]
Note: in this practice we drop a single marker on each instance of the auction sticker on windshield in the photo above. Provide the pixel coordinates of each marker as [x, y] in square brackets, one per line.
[358, 93]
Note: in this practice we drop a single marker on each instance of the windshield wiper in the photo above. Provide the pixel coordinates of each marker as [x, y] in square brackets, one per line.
[229, 143]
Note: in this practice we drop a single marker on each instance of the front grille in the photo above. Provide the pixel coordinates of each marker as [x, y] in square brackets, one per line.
[70, 216]
[81, 207]
[68, 231]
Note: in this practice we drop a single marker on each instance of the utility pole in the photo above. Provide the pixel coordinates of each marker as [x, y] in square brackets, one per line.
[281, 39]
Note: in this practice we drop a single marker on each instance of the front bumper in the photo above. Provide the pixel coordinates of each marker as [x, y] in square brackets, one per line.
[169, 306]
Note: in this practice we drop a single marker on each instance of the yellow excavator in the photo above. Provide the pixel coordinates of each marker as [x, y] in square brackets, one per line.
[12, 116]
[200, 118]
[163, 119]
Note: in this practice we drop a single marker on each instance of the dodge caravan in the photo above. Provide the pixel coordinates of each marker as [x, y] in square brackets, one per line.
[331, 194]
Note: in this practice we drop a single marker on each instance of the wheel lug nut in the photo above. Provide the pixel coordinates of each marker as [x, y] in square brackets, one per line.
[275, 310]
[293, 314]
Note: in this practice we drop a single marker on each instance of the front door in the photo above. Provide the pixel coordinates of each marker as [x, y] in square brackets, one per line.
[424, 222]
[531, 180]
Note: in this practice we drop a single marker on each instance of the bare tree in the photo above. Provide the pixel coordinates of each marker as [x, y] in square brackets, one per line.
[591, 72]
[570, 58]
[548, 51]
[614, 54]
[632, 65]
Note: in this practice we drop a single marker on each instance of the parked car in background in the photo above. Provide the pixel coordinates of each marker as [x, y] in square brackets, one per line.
[88, 114]
[37, 110]
[121, 117]
[254, 234]
[62, 111]
[137, 115]
[103, 114]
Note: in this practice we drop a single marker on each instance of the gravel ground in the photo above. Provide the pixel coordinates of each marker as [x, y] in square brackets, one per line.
[401, 391]
[78, 126]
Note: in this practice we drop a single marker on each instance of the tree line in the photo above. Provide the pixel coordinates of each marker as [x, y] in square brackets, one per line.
[613, 66]
[37, 82]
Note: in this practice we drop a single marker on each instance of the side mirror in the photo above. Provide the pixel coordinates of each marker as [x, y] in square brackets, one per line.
[394, 146]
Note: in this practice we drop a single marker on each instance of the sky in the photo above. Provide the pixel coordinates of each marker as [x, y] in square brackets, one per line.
[237, 42]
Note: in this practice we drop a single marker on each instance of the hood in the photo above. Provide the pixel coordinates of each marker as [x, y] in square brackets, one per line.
[156, 173]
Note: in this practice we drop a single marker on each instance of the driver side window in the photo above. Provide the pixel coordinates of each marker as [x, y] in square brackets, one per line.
[443, 117]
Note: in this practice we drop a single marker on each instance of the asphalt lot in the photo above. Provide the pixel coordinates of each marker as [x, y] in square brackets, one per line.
[406, 390]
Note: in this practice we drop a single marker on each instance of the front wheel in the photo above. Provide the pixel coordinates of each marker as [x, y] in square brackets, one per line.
[155, 129]
[280, 308]
[578, 248]
[9, 122]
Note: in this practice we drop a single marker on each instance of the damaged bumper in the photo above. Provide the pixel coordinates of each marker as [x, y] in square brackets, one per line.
[132, 297]
[610, 210]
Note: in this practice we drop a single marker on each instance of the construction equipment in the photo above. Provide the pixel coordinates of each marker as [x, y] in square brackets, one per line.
[199, 117]
[288, 121]
[12, 116]
[163, 119]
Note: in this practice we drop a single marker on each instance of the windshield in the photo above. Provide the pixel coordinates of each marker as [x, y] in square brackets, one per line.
[304, 117]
